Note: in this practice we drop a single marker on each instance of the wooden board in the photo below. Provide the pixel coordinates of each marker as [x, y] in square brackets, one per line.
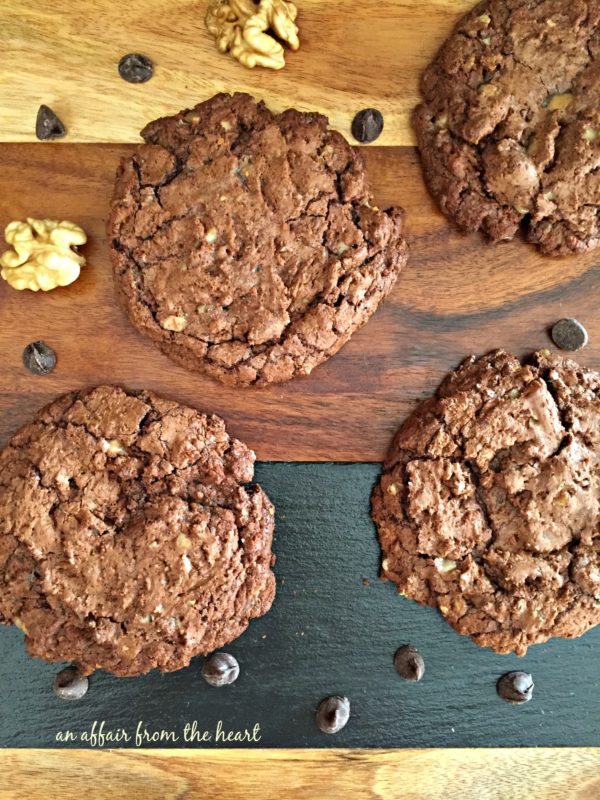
[456, 296]
[327, 633]
[353, 55]
[302, 775]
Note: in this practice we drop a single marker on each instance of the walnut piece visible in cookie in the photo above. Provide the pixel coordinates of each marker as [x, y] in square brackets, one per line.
[42, 255]
[240, 27]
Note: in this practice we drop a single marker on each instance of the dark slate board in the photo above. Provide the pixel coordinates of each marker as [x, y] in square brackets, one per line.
[327, 634]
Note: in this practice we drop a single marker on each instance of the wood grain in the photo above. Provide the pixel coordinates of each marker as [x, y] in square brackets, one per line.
[565, 774]
[352, 55]
[454, 297]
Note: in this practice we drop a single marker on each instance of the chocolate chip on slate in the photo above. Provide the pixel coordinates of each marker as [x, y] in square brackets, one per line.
[220, 669]
[515, 687]
[333, 714]
[569, 334]
[70, 684]
[136, 68]
[409, 663]
[48, 125]
[367, 125]
[39, 358]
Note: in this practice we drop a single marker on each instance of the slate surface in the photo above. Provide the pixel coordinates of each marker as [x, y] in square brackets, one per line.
[327, 633]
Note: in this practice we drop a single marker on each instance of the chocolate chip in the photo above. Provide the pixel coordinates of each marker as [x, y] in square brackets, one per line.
[515, 687]
[367, 125]
[569, 334]
[70, 684]
[333, 714]
[220, 669]
[39, 358]
[48, 125]
[136, 68]
[409, 663]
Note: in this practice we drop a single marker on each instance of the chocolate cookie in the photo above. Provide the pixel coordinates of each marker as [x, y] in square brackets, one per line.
[128, 540]
[246, 244]
[488, 503]
[509, 130]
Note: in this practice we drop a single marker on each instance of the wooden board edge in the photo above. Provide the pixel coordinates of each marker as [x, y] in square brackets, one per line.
[468, 774]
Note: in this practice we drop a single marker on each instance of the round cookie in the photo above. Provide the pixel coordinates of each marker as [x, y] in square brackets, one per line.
[128, 540]
[488, 506]
[509, 130]
[246, 244]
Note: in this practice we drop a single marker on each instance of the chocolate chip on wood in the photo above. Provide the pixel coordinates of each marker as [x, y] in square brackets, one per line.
[135, 68]
[39, 358]
[48, 125]
[569, 334]
[367, 125]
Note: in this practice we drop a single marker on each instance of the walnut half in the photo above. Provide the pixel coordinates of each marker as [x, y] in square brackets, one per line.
[42, 257]
[240, 28]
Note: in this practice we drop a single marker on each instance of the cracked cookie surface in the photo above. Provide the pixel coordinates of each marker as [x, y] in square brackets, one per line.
[128, 539]
[509, 130]
[488, 506]
[246, 244]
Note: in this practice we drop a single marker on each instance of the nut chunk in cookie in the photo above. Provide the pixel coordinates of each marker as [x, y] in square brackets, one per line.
[246, 243]
[509, 127]
[488, 505]
[129, 537]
